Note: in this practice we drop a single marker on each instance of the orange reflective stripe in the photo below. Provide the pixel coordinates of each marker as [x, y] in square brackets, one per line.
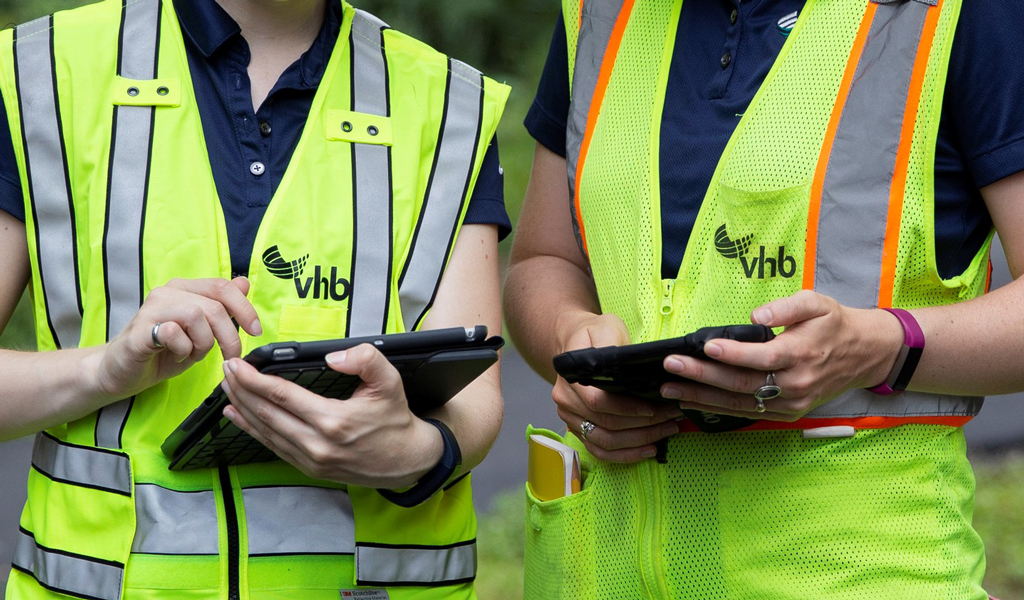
[814, 211]
[899, 183]
[856, 422]
[607, 64]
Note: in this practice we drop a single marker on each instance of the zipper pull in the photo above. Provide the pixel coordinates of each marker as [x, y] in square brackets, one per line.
[666, 296]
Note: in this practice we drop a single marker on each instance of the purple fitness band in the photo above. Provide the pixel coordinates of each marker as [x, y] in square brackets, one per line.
[909, 356]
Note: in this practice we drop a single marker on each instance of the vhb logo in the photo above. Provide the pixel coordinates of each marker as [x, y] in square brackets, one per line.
[323, 285]
[762, 266]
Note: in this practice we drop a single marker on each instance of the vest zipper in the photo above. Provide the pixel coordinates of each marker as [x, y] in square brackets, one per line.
[667, 285]
[231, 521]
[651, 574]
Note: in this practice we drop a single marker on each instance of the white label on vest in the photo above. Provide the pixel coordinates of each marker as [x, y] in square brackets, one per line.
[365, 594]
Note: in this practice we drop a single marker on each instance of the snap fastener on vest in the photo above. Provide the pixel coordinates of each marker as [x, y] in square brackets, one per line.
[133, 91]
[163, 90]
[372, 130]
[346, 127]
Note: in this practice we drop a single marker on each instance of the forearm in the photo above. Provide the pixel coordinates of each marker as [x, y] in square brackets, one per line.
[975, 347]
[546, 298]
[44, 389]
[475, 416]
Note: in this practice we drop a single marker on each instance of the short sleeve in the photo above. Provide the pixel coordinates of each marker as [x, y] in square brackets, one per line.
[547, 117]
[11, 200]
[487, 204]
[984, 99]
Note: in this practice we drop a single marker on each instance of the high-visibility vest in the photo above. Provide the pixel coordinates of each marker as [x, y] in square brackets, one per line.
[826, 184]
[120, 198]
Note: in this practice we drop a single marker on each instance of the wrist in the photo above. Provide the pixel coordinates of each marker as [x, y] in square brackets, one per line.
[434, 479]
[908, 350]
[96, 381]
[425, 452]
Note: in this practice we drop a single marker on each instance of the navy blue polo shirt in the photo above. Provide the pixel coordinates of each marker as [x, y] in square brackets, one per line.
[237, 137]
[725, 48]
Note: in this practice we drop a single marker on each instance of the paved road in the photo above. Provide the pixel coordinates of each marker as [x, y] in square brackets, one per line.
[527, 400]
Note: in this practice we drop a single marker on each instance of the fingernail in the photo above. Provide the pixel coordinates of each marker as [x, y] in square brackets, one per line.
[675, 413]
[672, 393]
[669, 430]
[231, 366]
[762, 316]
[675, 365]
[336, 358]
[644, 411]
[229, 412]
[712, 350]
[648, 453]
[257, 328]
[226, 387]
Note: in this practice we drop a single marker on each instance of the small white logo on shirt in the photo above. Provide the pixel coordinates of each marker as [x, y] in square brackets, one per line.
[787, 23]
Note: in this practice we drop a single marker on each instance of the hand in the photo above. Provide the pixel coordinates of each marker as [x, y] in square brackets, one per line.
[372, 439]
[193, 315]
[825, 350]
[626, 428]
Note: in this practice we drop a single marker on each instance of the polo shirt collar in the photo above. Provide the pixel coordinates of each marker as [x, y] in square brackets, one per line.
[209, 27]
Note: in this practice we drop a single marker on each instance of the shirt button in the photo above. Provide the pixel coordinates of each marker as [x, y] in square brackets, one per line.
[726, 59]
[257, 168]
[265, 129]
[735, 15]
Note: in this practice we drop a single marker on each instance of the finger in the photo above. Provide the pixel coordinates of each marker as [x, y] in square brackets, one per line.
[174, 340]
[711, 399]
[590, 400]
[793, 309]
[625, 455]
[267, 396]
[768, 415]
[712, 373]
[367, 363]
[230, 295]
[244, 420]
[270, 417]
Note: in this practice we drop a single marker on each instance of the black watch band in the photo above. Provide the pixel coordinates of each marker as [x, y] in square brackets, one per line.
[436, 477]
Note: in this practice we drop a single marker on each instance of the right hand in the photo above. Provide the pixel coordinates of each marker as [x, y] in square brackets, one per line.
[626, 427]
[193, 315]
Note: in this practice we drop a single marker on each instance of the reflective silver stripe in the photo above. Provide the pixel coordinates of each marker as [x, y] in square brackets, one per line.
[597, 22]
[856, 191]
[860, 173]
[299, 520]
[397, 565]
[82, 465]
[130, 155]
[446, 192]
[279, 520]
[371, 175]
[67, 573]
[49, 189]
[172, 522]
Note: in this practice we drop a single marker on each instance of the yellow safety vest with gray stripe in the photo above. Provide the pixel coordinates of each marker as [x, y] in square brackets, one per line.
[826, 184]
[120, 198]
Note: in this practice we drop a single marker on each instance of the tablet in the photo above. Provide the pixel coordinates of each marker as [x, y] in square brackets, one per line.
[434, 364]
[637, 370]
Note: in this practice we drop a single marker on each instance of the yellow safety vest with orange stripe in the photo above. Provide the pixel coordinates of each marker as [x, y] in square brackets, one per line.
[826, 184]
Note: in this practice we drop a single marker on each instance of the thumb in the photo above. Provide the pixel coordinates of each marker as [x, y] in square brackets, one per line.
[802, 306]
[367, 363]
[242, 283]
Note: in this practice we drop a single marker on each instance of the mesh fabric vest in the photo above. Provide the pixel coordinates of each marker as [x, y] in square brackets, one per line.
[120, 198]
[826, 184]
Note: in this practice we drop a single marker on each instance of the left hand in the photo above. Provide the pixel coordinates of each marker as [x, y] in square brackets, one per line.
[826, 349]
[372, 439]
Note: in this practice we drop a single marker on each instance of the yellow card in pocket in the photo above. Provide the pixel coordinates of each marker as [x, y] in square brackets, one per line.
[554, 469]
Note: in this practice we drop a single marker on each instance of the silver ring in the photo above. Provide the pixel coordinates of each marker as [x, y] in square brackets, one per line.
[768, 391]
[156, 336]
[585, 428]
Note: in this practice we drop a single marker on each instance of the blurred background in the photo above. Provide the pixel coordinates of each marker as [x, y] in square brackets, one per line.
[508, 40]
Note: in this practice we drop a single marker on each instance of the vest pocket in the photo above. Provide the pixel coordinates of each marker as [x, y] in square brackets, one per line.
[757, 244]
[561, 543]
